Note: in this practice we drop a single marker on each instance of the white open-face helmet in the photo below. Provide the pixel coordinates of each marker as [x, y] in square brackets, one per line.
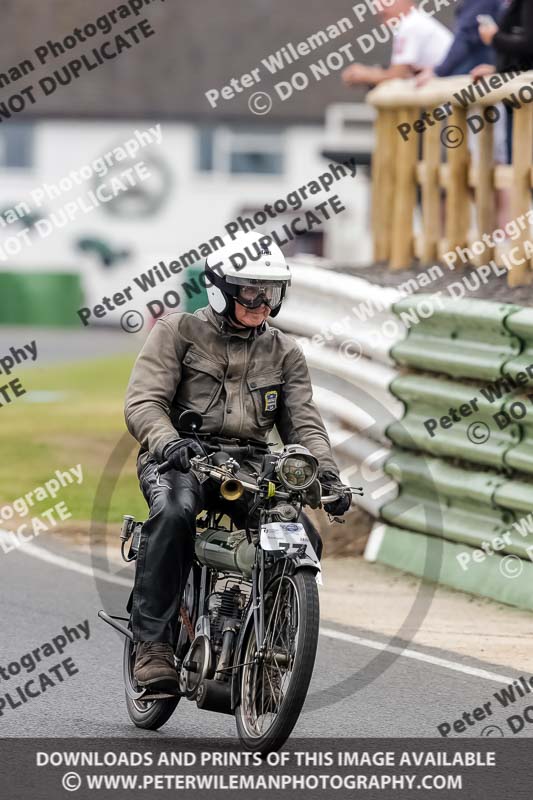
[250, 270]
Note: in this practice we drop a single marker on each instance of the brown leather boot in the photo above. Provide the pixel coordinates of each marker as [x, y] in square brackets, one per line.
[154, 666]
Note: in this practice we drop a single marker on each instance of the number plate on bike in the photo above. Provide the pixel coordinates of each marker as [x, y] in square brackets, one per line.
[287, 536]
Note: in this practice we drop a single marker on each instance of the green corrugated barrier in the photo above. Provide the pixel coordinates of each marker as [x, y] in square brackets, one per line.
[461, 338]
[48, 299]
[427, 397]
[456, 493]
[455, 503]
[436, 560]
[520, 323]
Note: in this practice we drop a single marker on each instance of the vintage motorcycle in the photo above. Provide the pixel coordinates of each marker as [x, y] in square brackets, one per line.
[247, 632]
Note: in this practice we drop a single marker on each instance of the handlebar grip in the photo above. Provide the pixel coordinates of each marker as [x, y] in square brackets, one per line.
[244, 450]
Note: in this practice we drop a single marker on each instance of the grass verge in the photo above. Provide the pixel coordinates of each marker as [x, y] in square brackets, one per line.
[72, 414]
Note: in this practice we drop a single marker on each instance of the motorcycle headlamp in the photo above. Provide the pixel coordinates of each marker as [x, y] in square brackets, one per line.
[297, 469]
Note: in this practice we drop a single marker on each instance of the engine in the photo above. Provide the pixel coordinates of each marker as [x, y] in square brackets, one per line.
[225, 610]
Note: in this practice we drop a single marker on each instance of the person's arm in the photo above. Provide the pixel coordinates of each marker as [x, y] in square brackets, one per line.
[457, 54]
[520, 44]
[357, 74]
[465, 40]
[466, 37]
[299, 421]
[152, 386]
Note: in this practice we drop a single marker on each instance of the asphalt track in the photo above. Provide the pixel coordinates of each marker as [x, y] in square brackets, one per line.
[49, 584]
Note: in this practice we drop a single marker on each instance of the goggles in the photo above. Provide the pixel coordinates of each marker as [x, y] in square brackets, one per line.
[255, 294]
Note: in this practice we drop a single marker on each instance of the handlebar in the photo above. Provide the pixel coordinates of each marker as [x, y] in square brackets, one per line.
[216, 472]
[230, 449]
[330, 498]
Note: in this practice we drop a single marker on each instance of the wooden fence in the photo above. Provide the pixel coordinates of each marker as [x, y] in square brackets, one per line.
[458, 189]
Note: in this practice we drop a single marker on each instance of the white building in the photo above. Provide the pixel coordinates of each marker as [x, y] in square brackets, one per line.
[210, 167]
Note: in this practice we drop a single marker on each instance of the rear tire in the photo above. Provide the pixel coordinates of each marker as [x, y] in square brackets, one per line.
[151, 714]
[294, 638]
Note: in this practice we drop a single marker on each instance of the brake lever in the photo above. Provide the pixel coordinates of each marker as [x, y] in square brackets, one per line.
[358, 491]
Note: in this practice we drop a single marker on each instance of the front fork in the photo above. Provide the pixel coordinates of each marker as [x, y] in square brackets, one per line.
[258, 604]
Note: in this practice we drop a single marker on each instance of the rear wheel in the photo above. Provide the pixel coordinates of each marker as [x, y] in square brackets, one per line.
[152, 714]
[274, 684]
[149, 714]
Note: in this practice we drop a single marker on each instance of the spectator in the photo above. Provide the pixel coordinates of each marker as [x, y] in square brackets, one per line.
[467, 50]
[419, 41]
[513, 38]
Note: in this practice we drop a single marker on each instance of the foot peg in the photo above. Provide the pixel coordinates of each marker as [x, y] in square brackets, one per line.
[153, 695]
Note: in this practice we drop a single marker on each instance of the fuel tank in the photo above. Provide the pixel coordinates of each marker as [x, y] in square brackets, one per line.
[225, 550]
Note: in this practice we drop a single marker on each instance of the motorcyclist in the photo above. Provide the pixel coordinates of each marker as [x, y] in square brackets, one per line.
[243, 376]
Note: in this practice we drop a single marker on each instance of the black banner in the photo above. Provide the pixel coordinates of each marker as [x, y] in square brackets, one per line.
[306, 768]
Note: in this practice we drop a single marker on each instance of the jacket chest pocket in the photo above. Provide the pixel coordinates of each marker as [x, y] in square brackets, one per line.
[265, 390]
[201, 382]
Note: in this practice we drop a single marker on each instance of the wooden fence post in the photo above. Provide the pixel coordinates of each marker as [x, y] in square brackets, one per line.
[383, 182]
[457, 197]
[402, 250]
[521, 188]
[431, 216]
[485, 191]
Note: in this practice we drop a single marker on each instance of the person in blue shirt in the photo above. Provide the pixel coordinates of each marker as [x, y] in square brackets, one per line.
[467, 49]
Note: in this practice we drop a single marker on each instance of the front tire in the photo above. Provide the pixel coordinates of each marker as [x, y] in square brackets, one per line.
[273, 692]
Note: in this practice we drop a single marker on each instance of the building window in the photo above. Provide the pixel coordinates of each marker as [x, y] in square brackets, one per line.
[233, 151]
[16, 145]
[204, 146]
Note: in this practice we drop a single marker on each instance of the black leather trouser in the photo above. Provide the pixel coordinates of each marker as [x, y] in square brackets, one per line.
[167, 546]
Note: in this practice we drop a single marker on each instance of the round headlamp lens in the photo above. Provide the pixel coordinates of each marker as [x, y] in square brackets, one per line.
[297, 472]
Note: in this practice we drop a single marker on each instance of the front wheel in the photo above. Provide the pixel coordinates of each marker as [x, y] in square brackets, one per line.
[274, 684]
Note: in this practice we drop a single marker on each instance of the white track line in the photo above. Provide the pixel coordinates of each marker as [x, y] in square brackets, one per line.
[415, 655]
[67, 563]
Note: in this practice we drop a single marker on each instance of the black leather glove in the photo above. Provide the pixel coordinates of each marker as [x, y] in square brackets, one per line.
[331, 484]
[179, 453]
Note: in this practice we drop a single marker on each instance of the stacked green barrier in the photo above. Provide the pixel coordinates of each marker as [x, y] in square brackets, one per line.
[456, 494]
[520, 324]
[455, 503]
[461, 338]
[436, 560]
[427, 397]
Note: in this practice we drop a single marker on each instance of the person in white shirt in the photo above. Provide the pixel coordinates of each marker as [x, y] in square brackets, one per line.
[419, 41]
